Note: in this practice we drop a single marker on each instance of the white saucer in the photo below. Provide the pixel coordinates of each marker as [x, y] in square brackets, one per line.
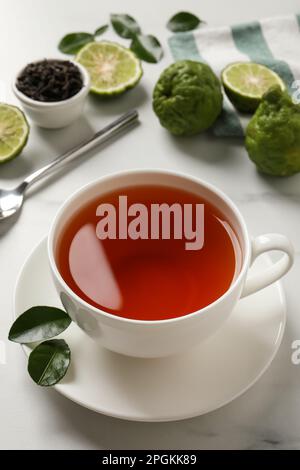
[167, 389]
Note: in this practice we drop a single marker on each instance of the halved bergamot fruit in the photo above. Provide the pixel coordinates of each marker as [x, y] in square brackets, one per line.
[112, 67]
[245, 83]
[14, 131]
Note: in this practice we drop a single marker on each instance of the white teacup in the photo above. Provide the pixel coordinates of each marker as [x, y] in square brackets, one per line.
[165, 337]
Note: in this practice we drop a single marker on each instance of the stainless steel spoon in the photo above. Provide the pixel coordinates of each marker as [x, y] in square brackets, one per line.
[11, 200]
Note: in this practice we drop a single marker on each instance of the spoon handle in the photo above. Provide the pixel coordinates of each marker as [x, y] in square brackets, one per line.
[101, 136]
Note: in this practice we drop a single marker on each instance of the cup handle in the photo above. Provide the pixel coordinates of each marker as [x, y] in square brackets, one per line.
[263, 244]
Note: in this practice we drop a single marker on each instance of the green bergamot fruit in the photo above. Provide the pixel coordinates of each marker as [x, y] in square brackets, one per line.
[273, 134]
[187, 97]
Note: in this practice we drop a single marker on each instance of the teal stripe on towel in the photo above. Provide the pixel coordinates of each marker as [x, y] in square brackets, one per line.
[183, 46]
[228, 123]
[298, 19]
[249, 39]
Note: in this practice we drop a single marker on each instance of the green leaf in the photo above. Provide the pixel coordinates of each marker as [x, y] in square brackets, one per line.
[73, 42]
[39, 323]
[49, 362]
[125, 26]
[147, 48]
[183, 21]
[101, 30]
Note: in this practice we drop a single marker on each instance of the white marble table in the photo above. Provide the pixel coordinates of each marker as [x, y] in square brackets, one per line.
[267, 416]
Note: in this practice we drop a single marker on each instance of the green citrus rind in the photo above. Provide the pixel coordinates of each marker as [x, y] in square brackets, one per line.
[113, 68]
[14, 132]
[246, 97]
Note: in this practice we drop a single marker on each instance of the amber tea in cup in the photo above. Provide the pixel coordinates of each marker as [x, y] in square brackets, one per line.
[147, 278]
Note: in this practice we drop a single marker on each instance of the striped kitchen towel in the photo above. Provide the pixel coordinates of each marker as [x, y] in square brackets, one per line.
[274, 42]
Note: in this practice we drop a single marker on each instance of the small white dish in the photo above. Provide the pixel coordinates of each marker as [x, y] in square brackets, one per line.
[54, 115]
[165, 389]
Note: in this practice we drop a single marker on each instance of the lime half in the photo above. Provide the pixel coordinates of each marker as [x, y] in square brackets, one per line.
[112, 68]
[246, 82]
[14, 131]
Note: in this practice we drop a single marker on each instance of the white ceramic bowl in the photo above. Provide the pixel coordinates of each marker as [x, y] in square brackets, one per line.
[53, 115]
